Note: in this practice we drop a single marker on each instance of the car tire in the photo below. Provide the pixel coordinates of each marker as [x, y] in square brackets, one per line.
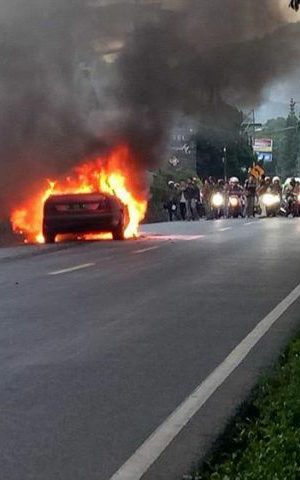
[49, 237]
[118, 233]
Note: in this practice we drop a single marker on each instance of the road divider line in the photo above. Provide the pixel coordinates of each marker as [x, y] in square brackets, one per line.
[154, 446]
[191, 238]
[72, 269]
[225, 229]
[248, 223]
[143, 250]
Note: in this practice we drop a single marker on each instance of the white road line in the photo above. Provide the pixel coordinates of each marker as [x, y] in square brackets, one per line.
[143, 250]
[190, 238]
[225, 229]
[248, 223]
[72, 269]
[153, 447]
[171, 237]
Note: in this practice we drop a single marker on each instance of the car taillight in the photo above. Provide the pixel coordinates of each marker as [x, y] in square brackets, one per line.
[62, 208]
[93, 206]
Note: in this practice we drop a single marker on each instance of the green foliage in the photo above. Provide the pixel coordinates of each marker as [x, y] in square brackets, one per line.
[239, 158]
[285, 133]
[264, 442]
[291, 146]
[159, 190]
[210, 155]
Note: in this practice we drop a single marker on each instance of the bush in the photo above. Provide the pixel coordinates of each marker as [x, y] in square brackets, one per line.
[263, 443]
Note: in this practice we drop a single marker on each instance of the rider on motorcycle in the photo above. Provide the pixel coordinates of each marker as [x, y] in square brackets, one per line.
[235, 198]
[276, 186]
[290, 197]
[234, 186]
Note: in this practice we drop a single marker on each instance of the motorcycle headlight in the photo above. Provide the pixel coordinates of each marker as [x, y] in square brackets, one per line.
[217, 200]
[233, 201]
[269, 200]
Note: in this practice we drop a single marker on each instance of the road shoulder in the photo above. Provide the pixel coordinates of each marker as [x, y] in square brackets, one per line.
[194, 442]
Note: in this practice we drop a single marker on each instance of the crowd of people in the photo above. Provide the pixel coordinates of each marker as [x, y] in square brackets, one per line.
[192, 199]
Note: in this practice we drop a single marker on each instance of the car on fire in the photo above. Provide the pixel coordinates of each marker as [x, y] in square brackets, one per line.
[84, 213]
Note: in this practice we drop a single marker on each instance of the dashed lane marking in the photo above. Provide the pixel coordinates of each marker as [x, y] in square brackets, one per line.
[248, 223]
[143, 250]
[225, 229]
[154, 446]
[185, 238]
[72, 269]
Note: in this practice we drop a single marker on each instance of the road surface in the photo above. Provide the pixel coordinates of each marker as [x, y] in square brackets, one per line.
[101, 342]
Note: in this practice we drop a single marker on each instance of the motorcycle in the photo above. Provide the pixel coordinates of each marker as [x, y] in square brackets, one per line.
[217, 205]
[271, 202]
[291, 205]
[235, 205]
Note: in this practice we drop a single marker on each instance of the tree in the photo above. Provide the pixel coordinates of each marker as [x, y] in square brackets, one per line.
[275, 129]
[291, 143]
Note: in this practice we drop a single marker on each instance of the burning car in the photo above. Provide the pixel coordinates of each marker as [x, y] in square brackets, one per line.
[97, 196]
[84, 213]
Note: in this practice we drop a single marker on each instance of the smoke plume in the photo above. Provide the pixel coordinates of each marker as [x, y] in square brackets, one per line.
[148, 65]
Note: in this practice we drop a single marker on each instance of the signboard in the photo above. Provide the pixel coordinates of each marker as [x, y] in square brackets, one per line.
[263, 147]
[257, 171]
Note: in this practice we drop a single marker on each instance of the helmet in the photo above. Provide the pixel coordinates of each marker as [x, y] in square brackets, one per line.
[234, 180]
[276, 179]
[171, 183]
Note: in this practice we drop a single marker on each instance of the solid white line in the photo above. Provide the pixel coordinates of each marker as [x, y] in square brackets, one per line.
[72, 269]
[248, 223]
[153, 447]
[225, 229]
[143, 250]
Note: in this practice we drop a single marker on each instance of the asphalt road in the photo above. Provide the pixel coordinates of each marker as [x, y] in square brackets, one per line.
[100, 342]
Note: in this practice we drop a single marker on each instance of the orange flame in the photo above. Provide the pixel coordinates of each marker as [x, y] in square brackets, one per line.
[111, 174]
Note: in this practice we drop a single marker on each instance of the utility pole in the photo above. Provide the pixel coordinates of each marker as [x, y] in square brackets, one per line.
[248, 126]
[225, 163]
[253, 131]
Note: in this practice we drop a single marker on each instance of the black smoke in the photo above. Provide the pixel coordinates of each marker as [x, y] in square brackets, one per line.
[195, 59]
[198, 60]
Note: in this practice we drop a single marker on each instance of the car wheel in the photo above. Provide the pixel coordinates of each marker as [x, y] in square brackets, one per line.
[49, 237]
[118, 232]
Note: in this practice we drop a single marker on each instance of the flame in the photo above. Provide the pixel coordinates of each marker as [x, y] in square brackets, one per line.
[111, 174]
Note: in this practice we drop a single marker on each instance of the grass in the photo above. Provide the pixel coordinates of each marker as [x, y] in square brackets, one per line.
[263, 441]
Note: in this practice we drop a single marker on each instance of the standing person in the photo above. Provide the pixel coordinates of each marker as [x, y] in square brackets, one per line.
[250, 193]
[198, 195]
[182, 199]
[171, 203]
[264, 187]
[226, 197]
[191, 195]
[197, 198]
[206, 195]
